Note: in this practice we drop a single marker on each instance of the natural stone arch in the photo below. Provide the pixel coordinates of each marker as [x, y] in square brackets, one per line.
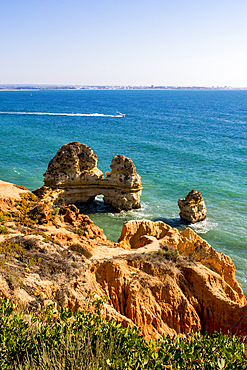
[72, 177]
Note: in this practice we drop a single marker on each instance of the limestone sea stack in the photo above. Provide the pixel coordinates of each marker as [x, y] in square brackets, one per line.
[192, 207]
[72, 177]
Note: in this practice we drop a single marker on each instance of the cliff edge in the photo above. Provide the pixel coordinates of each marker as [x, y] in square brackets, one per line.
[157, 278]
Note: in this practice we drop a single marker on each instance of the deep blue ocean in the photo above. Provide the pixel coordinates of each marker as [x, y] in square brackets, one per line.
[178, 140]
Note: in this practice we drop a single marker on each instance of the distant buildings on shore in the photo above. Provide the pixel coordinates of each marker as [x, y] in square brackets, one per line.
[86, 87]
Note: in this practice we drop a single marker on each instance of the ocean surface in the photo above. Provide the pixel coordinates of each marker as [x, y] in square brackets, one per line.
[178, 141]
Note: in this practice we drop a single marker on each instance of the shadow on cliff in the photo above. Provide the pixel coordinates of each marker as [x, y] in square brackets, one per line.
[177, 223]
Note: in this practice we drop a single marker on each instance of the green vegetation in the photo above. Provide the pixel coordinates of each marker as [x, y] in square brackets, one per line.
[29, 212]
[23, 208]
[26, 202]
[80, 232]
[10, 250]
[4, 216]
[4, 230]
[63, 340]
[165, 253]
[55, 212]
[83, 230]
[24, 205]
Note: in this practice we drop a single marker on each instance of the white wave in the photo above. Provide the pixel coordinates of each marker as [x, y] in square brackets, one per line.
[135, 214]
[99, 198]
[61, 114]
[17, 172]
[204, 226]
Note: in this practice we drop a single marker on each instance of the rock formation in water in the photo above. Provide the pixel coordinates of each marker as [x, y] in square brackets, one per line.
[192, 207]
[157, 278]
[72, 177]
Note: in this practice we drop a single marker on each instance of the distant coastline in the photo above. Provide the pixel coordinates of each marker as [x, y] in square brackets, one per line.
[33, 87]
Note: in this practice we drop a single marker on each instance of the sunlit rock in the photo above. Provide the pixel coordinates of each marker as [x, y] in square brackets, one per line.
[192, 207]
[72, 177]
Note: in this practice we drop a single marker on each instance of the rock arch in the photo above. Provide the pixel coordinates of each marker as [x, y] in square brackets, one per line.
[72, 177]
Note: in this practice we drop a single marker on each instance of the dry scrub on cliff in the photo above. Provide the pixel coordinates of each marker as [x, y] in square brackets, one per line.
[27, 246]
[167, 258]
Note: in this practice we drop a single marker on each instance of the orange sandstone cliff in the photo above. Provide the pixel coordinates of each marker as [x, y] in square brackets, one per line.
[157, 278]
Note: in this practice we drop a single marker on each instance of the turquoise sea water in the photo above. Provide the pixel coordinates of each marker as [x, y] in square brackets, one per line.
[178, 140]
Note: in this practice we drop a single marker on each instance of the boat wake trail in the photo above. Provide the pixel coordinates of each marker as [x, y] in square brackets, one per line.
[60, 114]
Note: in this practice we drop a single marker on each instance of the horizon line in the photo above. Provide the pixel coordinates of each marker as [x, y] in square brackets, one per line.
[13, 86]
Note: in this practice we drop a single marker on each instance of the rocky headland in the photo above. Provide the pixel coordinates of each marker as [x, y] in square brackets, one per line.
[155, 277]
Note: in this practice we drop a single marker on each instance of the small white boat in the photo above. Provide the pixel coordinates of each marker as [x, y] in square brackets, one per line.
[118, 114]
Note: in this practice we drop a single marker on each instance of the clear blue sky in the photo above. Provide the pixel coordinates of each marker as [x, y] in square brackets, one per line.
[124, 42]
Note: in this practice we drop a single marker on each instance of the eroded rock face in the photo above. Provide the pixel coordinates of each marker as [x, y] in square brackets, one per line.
[149, 295]
[192, 207]
[165, 298]
[187, 242]
[215, 299]
[74, 163]
[66, 257]
[72, 177]
[133, 232]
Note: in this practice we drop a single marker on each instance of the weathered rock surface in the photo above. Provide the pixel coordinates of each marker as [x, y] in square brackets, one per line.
[164, 297]
[72, 177]
[74, 163]
[9, 193]
[207, 278]
[192, 207]
[133, 232]
[188, 243]
[166, 282]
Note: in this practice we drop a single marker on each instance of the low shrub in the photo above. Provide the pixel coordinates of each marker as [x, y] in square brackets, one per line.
[165, 253]
[170, 255]
[5, 216]
[55, 211]
[4, 230]
[80, 232]
[84, 340]
[10, 250]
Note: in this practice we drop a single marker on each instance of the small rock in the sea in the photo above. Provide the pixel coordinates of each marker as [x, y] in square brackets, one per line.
[192, 207]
